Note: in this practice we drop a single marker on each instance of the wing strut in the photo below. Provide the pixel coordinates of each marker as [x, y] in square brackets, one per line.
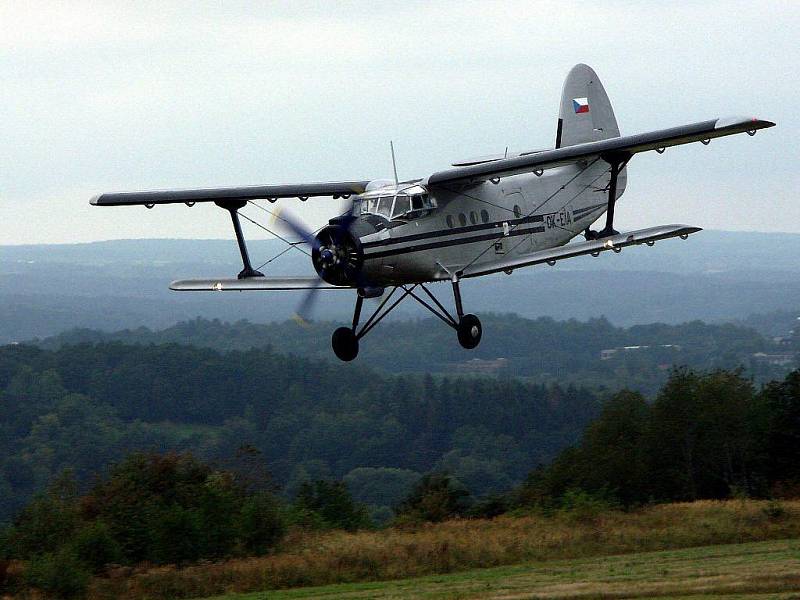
[617, 160]
[233, 206]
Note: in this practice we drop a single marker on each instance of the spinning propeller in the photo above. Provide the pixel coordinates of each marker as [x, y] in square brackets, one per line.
[335, 253]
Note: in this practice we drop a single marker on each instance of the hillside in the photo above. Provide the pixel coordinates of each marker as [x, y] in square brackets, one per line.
[594, 353]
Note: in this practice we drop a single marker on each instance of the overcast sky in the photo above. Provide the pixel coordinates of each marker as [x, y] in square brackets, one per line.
[102, 96]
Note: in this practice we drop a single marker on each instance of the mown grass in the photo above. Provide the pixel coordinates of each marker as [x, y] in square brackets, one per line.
[739, 570]
[339, 557]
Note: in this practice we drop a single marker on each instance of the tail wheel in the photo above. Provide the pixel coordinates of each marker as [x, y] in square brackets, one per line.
[469, 331]
[345, 344]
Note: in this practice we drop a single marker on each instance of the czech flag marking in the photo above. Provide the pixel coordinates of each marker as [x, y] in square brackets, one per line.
[581, 105]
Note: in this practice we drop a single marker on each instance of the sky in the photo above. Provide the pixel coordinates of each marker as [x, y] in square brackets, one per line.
[112, 96]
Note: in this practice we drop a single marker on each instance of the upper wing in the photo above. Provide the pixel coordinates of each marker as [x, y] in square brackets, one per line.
[632, 144]
[616, 242]
[268, 192]
[252, 284]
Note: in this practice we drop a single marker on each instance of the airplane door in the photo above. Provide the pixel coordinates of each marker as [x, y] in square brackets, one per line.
[516, 244]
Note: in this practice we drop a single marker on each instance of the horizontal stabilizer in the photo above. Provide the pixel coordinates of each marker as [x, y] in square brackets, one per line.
[528, 162]
[253, 284]
[616, 243]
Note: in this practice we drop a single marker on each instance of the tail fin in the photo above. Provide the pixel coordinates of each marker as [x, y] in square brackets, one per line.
[585, 114]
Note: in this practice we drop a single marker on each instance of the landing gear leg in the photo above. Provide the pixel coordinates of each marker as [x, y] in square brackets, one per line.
[469, 327]
[344, 339]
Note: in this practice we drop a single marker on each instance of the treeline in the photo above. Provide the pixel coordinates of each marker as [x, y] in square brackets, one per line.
[543, 349]
[706, 435]
[85, 406]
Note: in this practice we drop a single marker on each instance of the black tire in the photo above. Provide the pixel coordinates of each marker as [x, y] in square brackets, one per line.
[345, 344]
[469, 331]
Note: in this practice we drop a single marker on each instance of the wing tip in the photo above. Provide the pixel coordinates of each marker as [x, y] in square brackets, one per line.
[742, 121]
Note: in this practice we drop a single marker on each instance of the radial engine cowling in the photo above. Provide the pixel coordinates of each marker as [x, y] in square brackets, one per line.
[337, 256]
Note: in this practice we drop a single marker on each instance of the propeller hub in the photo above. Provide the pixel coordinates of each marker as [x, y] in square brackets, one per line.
[337, 256]
[327, 256]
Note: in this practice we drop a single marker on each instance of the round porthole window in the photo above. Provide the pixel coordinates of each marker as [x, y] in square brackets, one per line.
[484, 216]
[517, 211]
[473, 217]
[462, 219]
[450, 222]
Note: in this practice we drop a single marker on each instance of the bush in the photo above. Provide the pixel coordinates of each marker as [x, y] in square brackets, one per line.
[489, 507]
[58, 575]
[261, 525]
[584, 507]
[96, 547]
[774, 511]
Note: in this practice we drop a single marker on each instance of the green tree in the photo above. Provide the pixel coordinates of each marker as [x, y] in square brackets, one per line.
[436, 497]
[330, 504]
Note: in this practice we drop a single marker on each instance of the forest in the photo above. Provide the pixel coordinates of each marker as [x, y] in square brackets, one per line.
[542, 350]
[84, 406]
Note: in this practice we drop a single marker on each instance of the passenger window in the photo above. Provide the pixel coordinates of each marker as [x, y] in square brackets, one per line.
[473, 217]
[402, 206]
[385, 206]
[462, 219]
[517, 211]
[484, 216]
[450, 222]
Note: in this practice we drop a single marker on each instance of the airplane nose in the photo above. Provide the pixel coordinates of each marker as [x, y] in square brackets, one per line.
[338, 256]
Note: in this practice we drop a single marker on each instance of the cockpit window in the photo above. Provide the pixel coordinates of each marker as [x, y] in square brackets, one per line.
[402, 206]
[408, 204]
[385, 206]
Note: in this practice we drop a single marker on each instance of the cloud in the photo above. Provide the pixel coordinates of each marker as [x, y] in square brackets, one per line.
[138, 95]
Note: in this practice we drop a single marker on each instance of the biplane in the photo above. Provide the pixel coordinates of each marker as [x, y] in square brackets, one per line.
[482, 216]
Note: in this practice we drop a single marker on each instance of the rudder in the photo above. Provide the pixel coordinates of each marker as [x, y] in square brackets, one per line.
[585, 114]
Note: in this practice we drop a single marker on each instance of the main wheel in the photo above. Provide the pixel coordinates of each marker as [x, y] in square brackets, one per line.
[469, 331]
[345, 344]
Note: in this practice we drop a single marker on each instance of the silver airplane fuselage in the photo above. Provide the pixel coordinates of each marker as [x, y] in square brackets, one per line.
[478, 225]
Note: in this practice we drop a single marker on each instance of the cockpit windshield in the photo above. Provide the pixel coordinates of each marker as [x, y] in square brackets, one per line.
[410, 203]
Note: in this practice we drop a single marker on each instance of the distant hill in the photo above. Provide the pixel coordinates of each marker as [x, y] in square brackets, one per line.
[593, 353]
[713, 276]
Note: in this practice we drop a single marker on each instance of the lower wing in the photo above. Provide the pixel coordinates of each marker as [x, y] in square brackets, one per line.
[252, 284]
[616, 243]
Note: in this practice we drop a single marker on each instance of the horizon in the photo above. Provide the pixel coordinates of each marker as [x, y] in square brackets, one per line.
[276, 240]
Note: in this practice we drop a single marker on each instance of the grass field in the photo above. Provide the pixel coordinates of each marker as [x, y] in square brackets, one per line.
[752, 570]
[581, 552]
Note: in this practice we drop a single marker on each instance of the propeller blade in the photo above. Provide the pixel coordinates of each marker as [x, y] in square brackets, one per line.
[302, 315]
[298, 228]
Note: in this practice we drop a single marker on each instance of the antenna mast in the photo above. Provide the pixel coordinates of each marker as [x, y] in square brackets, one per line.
[394, 164]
